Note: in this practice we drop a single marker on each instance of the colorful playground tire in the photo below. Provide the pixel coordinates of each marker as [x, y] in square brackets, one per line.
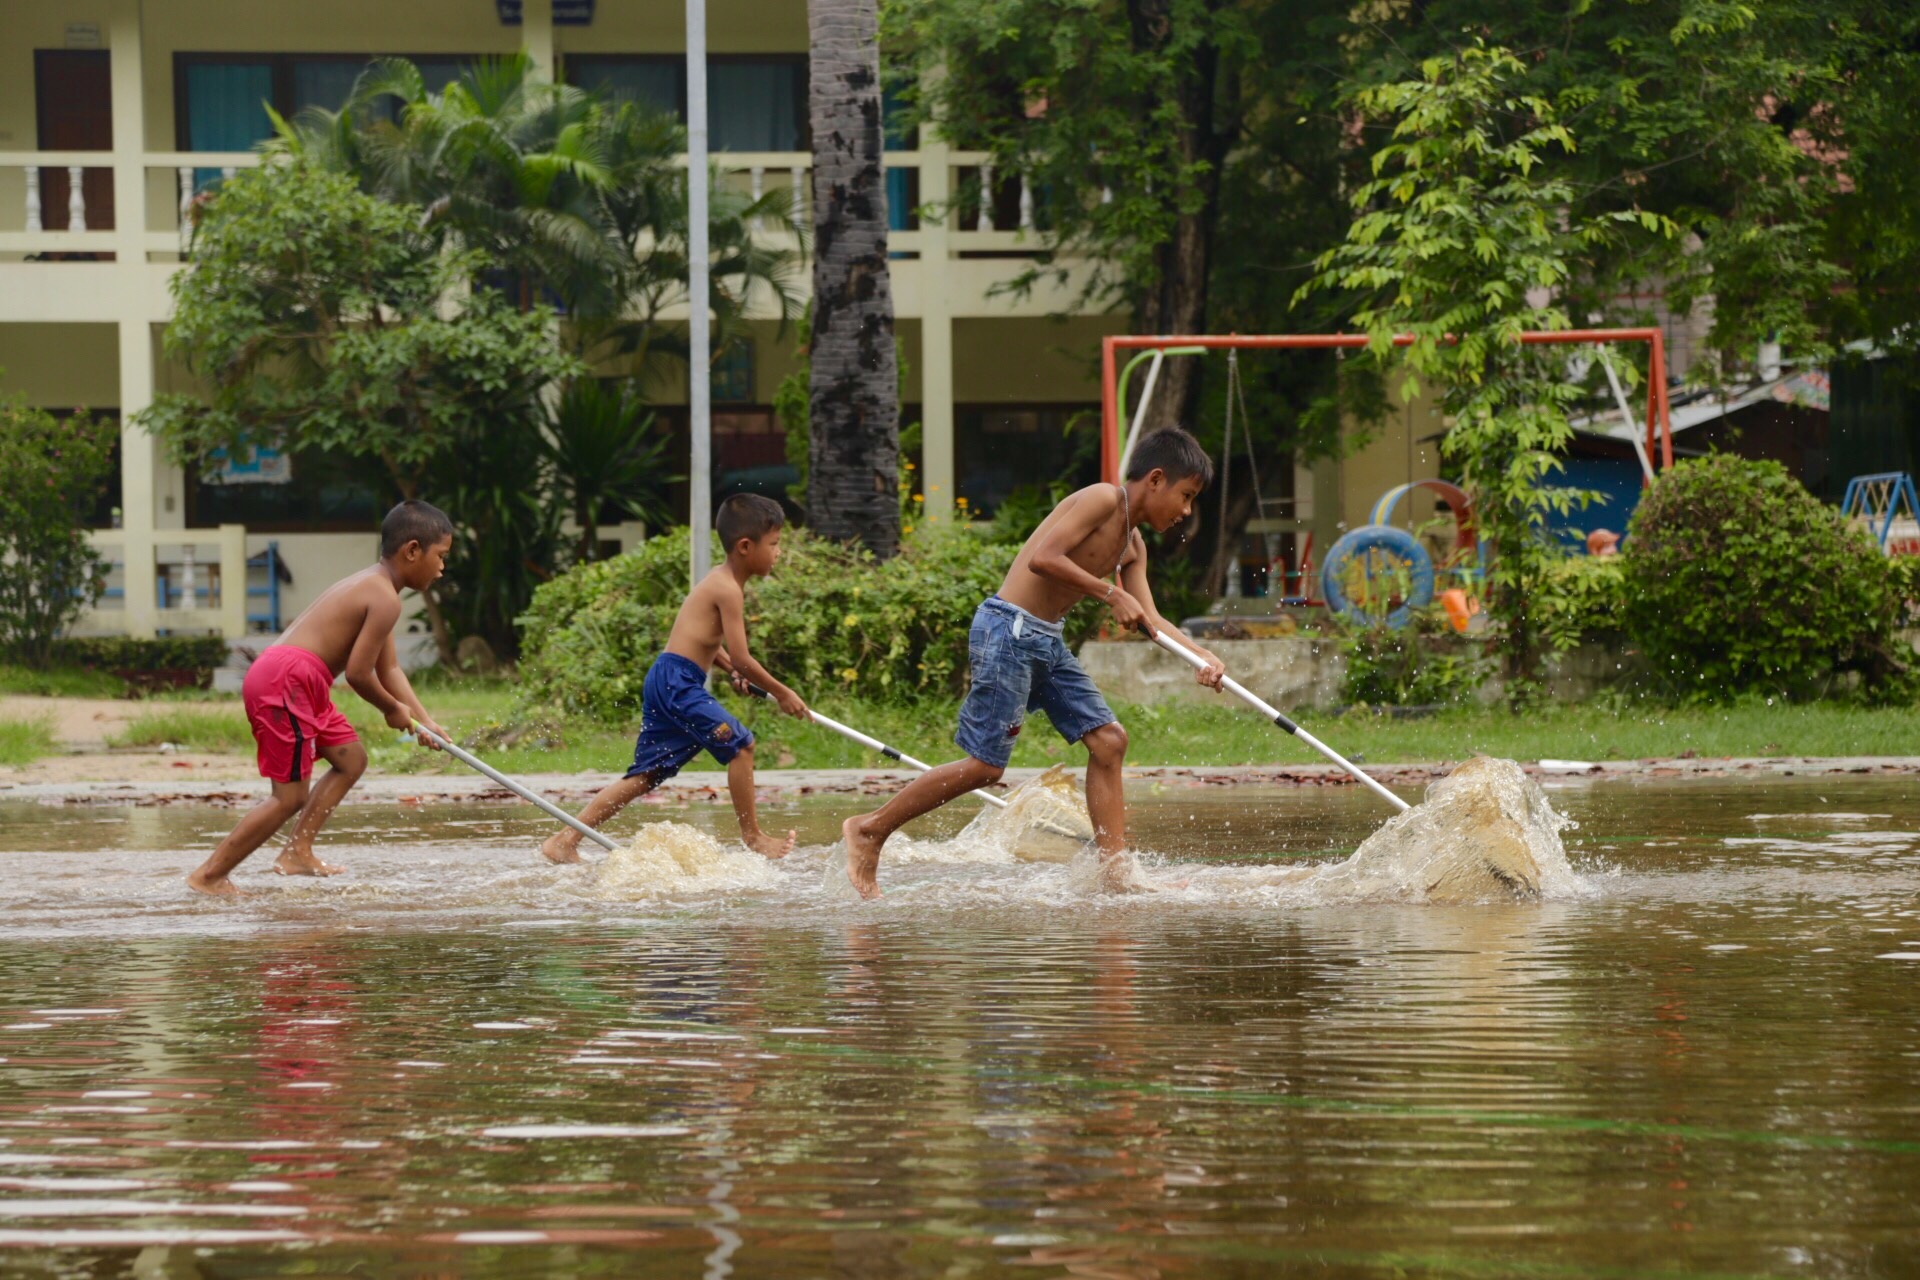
[1395, 542]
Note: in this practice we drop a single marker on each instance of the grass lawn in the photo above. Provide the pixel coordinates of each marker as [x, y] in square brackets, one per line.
[60, 682]
[24, 741]
[1176, 734]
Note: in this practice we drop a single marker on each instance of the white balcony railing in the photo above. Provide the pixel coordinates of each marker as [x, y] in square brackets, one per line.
[197, 579]
[1003, 221]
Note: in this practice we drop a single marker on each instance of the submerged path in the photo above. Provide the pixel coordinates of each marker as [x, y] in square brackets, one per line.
[118, 784]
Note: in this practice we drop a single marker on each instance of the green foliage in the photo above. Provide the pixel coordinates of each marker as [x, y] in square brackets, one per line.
[604, 452]
[1420, 665]
[49, 571]
[1580, 598]
[828, 618]
[24, 741]
[1460, 224]
[125, 653]
[1739, 581]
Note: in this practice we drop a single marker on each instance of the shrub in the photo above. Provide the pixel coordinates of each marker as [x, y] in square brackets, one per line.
[123, 653]
[828, 617]
[49, 571]
[1740, 581]
[1423, 664]
[1580, 597]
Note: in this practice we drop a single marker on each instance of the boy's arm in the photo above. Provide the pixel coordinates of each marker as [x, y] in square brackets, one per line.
[733, 628]
[396, 682]
[363, 660]
[735, 676]
[1134, 578]
[1051, 558]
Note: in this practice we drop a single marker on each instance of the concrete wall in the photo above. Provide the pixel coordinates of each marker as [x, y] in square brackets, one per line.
[1305, 672]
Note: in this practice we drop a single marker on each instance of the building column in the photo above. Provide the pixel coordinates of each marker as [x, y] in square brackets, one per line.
[137, 453]
[936, 330]
[536, 35]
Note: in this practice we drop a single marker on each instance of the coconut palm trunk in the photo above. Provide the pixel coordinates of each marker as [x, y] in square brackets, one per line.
[854, 434]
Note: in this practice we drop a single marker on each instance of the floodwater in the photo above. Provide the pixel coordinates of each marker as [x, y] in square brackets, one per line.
[1702, 1057]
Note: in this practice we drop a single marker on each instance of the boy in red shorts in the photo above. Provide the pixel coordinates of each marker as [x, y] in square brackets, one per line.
[289, 695]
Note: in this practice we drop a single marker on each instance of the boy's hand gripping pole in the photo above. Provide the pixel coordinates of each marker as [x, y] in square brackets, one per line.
[1260, 704]
[873, 744]
[474, 762]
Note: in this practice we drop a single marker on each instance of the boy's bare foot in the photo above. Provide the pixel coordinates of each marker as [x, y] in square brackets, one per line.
[214, 887]
[770, 846]
[863, 857]
[295, 862]
[557, 848]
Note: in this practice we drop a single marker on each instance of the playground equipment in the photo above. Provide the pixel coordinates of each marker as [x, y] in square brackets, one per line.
[1886, 504]
[1379, 565]
[1297, 585]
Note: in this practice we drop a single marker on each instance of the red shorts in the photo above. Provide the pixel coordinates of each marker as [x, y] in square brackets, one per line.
[289, 699]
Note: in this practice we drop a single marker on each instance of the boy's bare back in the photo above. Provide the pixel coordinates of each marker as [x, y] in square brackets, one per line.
[366, 604]
[699, 629]
[1090, 529]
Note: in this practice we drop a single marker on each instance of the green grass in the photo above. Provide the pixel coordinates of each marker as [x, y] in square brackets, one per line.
[1202, 735]
[60, 682]
[24, 741]
[1171, 734]
[196, 728]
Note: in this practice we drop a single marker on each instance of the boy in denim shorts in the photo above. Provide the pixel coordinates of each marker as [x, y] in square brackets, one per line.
[680, 719]
[1020, 663]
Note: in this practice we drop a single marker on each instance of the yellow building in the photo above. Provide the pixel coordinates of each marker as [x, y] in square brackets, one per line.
[114, 112]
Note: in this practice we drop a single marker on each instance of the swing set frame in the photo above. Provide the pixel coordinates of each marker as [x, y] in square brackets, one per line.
[1659, 422]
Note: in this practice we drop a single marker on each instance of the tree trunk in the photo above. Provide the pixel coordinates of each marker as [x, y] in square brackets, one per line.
[1177, 303]
[854, 406]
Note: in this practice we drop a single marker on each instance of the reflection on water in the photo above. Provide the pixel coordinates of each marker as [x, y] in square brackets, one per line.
[458, 1060]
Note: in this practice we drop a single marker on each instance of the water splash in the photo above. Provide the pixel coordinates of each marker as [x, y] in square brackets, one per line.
[1045, 820]
[672, 858]
[1485, 833]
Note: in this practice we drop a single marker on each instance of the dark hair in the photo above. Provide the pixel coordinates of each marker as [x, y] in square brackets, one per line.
[413, 521]
[1175, 452]
[747, 515]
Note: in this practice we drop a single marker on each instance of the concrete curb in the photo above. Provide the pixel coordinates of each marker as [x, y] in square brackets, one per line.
[795, 783]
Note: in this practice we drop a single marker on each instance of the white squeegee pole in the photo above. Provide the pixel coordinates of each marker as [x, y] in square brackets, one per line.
[1261, 705]
[874, 744]
[475, 762]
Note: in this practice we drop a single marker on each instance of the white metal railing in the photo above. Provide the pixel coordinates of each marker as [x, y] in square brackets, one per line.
[197, 579]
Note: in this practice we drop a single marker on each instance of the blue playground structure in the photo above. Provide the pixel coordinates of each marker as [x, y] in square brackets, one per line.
[1886, 503]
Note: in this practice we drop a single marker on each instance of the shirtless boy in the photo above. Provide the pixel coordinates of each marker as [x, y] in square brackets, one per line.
[289, 695]
[680, 719]
[1019, 662]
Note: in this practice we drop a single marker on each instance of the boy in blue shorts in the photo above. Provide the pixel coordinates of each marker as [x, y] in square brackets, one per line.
[680, 719]
[1019, 662]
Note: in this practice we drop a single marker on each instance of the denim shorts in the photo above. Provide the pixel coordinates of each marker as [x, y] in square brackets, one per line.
[1019, 664]
[680, 719]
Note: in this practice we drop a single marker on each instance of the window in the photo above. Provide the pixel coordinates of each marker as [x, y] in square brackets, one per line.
[999, 449]
[220, 99]
[755, 102]
[328, 492]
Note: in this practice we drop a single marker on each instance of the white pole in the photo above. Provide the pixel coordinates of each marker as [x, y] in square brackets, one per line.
[1140, 414]
[1626, 414]
[699, 377]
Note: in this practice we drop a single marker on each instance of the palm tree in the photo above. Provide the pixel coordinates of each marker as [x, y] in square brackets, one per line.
[854, 410]
[584, 198]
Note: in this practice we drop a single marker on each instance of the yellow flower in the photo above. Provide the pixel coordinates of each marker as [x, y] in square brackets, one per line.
[919, 497]
[906, 528]
[852, 620]
[849, 675]
[960, 503]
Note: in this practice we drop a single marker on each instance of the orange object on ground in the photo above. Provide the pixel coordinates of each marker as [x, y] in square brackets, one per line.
[1460, 607]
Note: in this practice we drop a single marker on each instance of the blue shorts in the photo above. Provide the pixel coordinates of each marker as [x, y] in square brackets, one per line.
[1019, 664]
[680, 719]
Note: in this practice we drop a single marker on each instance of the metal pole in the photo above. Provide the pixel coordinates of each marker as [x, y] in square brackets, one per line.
[699, 376]
[520, 789]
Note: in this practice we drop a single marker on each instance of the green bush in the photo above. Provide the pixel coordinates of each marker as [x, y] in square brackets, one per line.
[829, 618]
[1739, 581]
[1423, 664]
[49, 571]
[24, 741]
[122, 653]
[1578, 598]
